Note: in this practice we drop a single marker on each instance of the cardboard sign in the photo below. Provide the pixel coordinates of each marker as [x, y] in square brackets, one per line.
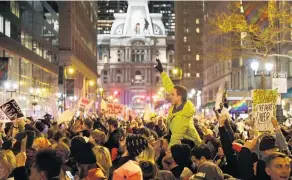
[219, 97]
[279, 81]
[12, 110]
[264, 108]
[115, 109]
[82, 104]
[263, 116]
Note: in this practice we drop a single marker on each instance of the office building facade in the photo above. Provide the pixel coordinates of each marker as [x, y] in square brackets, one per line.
[29, 54]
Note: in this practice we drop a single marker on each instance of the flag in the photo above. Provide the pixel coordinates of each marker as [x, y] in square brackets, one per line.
[240, 106]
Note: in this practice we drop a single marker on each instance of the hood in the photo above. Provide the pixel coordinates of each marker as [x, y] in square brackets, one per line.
[188, 110]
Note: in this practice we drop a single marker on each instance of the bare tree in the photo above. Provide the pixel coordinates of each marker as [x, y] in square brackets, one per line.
[260, 34]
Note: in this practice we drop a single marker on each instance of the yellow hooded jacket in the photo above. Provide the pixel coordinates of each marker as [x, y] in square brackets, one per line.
[180, 123]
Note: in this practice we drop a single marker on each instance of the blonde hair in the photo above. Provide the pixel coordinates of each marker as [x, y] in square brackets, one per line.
[7, 158]
[147, 155]
[98, 136]
[103, 158]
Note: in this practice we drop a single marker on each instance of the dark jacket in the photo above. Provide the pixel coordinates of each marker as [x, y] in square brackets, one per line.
[114, 139]
[245, 166]
[160, 131]
[229, 167]
[19, 173]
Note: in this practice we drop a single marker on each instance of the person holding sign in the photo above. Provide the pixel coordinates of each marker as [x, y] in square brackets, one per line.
[179, 120]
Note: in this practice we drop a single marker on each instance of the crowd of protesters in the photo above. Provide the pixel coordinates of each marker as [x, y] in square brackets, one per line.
[106, 148]
[177, 146]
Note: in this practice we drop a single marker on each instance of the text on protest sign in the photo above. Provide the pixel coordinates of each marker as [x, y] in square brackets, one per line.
[12, 110]
[263, 116]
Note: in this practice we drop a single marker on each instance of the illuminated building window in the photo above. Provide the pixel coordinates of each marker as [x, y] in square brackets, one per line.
[197, 21]
[189, 65]
[1, 24]
[7, 28]
[189, 48]
[197, 74]
[185, 39]
[198, 30]
[198, 57]
[188, 74]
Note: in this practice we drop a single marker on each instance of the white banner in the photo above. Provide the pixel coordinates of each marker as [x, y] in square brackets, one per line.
[279, 81]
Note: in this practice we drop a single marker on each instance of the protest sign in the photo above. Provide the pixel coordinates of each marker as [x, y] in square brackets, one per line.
[264, 108]
[66, 116]
[219, 97]
[263, 117]
[83, 102]
[115, 109]
[261, 96]
[12, 110]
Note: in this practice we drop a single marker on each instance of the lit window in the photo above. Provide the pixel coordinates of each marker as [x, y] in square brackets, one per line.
[197, 21]
[1, 24]
[198, 57]
[197, 74]
[189, 48]
[7, 28]
[189, 65]
[188, 74]
[185, 39]
[198, 30]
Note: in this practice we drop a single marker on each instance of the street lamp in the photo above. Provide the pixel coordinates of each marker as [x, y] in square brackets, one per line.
[254, 65]
[175, 71]
[269, 66]
[34, 92]
[11, 87]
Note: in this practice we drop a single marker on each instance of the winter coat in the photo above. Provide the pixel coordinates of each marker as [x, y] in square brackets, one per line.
[179, 120]
[114, 139]
[19, 173]
[229, 167]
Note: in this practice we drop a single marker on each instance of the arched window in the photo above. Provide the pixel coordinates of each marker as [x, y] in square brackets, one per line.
[138, 28]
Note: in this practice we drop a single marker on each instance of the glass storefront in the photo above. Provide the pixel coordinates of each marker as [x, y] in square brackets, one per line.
[29, 76]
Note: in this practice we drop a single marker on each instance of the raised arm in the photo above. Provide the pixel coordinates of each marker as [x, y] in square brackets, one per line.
[166, 81]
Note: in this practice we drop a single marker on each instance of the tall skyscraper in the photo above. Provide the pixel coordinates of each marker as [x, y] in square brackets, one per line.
[77, 49]
[106, 10]
[29, 32]
[189, 42]
[166, 8]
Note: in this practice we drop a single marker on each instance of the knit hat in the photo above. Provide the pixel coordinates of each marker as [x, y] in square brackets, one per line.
[76, 145]
[86, 155]
[41, 142]
[40, 126]
[267, 143]
[209, 170]
[128, 171]
[136, 144]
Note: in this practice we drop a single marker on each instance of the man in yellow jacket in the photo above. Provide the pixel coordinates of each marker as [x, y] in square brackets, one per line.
[180, 115]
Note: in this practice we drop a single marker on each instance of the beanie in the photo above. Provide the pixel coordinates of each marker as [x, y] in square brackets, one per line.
[86, 155]
[136, 144]
[267, 143]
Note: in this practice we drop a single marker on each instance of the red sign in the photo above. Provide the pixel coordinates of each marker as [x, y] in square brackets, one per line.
[115, 109]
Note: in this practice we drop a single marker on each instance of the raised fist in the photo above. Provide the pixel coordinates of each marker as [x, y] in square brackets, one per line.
[159, 66]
